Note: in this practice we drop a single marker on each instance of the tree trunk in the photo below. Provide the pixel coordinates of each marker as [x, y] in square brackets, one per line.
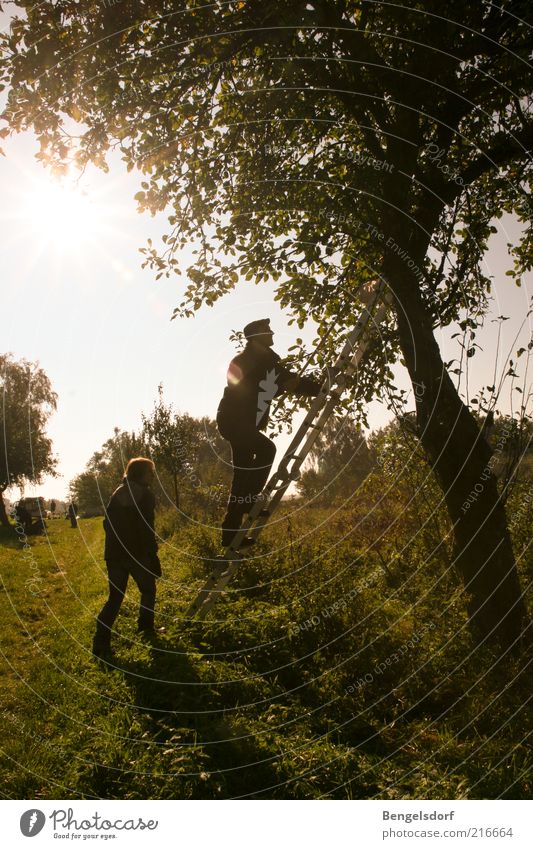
[460, 458]
[176, 491]
[4, 520]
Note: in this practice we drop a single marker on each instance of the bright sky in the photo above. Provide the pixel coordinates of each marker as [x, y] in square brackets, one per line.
[76, 299]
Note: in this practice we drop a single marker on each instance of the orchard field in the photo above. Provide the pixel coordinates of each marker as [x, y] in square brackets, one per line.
[338, 665]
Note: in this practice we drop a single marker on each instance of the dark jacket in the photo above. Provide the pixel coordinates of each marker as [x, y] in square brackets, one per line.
[255, 377]
[129, 526]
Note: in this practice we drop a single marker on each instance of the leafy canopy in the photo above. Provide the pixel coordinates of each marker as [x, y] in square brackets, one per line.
[301, 142]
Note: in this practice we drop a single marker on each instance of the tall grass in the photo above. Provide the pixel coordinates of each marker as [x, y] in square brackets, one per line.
[338, 664]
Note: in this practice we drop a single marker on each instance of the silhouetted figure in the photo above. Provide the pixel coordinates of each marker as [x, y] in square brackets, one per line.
[255, 377]
[72, 513]
[130, 549]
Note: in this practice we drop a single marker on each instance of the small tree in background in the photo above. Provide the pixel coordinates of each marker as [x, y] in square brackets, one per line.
[170, 439]
[340, 462]
[27, 403]
[187, 451]
[92, 488]
[511, 441]
[189, 454]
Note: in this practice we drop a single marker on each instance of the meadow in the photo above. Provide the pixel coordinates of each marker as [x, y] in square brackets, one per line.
[338, 665]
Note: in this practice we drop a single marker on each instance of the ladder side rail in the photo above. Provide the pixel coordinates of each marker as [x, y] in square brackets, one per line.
[312, 433]
[347, 350]
[206, 590]
[210, 592]
[214, 594]
[347, 359]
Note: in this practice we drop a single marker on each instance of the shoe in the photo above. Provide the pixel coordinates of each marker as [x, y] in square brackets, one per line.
[150, 631]
[246, 542]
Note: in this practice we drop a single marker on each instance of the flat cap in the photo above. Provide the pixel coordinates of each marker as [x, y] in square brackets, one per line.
[262, 325]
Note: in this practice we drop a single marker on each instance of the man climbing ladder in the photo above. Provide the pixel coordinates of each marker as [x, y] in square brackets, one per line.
[255, 377]
[352, 353]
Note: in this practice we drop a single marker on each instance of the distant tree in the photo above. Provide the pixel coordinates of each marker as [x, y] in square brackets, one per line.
[404, 520]
[340, 461]
[189, 454]
[208, 486]
[92, 489]
[403, 489]
[27, 402]
[511, 441]
[187, 449]
[170, 438]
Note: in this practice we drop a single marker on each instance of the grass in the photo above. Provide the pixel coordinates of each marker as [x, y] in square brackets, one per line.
[319, 678]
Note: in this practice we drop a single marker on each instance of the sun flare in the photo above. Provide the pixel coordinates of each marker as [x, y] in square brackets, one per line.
[62, 215]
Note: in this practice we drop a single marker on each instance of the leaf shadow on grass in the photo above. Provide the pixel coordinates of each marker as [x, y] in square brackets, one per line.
[210, 716]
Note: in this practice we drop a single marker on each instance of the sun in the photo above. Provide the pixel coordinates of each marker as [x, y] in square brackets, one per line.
[62, 215]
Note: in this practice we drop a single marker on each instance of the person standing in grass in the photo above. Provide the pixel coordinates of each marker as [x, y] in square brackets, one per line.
[130, 549]
[72, 513]
[255, 377]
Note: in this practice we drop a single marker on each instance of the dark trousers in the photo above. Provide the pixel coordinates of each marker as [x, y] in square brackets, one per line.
[118, 572]
[252, 457]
